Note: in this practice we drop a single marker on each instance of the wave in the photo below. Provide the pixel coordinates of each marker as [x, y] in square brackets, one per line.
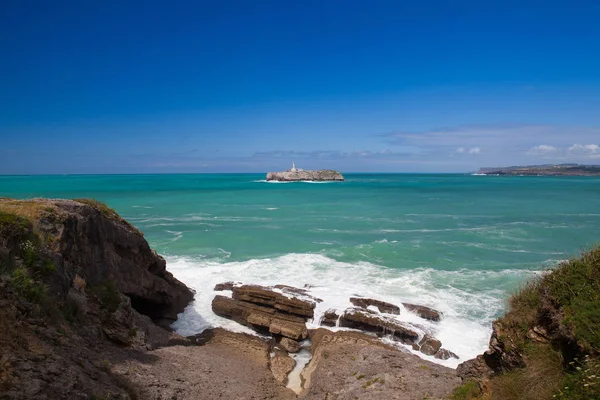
[469, 299]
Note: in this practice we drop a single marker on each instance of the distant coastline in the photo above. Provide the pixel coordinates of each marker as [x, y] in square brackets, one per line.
[543, 170]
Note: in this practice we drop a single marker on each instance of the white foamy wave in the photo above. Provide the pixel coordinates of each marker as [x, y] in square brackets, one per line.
[468, 312]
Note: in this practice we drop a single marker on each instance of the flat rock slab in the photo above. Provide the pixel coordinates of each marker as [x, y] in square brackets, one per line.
[229, 366]
[350, 365]
[370, 321]
[282, 298]
[261, 318]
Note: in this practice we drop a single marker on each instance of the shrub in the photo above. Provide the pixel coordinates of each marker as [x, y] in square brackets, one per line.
[467, 391]
[27, 286]
[108, 295]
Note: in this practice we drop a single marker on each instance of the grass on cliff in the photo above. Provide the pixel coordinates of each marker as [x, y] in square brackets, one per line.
[564, 307]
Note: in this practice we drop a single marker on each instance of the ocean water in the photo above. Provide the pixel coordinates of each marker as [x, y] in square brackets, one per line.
[458, 243]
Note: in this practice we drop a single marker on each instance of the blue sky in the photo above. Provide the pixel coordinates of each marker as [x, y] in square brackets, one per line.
[250, 86]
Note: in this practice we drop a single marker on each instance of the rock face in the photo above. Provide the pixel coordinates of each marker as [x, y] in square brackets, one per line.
[281, 366]
[369, 321]
[318, 175]
[76, 279]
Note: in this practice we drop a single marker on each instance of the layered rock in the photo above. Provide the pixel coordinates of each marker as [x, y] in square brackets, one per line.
[330, 318]
[317, 175]
[284, 300]
[370, 321]
[260, 318]
[423, 312]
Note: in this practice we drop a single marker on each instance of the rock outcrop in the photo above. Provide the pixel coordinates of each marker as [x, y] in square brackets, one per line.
[78, 285]
[370, 321]
[261, 318]
[317, 175]
[382, 306]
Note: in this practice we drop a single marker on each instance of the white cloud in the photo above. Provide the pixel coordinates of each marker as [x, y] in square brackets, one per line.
[474, 150]
[542, 150]
[460, 150]
[585, 150]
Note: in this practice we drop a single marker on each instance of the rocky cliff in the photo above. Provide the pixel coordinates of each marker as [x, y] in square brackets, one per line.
[318, 175]
[76, 280]
[548, 344]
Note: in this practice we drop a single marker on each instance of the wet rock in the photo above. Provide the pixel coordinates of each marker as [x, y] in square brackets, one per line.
[289, 345]
[423, 312]
[224, 286]
[443, 354]
[384, 307]
[280, 301]
[281, 366]
[370, 321]
[330, 318]
[428, 345]
[261, 318]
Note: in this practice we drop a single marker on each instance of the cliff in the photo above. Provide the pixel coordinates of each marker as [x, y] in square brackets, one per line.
[318, 175]
[547, 346]
[77, 284]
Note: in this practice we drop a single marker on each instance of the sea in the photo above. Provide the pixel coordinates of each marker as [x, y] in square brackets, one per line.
[459, 243]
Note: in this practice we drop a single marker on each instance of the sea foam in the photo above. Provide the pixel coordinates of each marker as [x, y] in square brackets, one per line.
[468, 312]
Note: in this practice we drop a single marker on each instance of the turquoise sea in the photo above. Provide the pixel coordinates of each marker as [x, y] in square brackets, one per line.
[458, 243]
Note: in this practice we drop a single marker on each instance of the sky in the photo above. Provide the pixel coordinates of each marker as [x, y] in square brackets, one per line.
[250, 86]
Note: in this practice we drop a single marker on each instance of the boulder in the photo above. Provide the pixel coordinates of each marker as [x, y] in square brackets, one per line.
[261, 318]
[382, 306]
[443, 354]
[428, 345]
[289, 345]
[283, 300]
[330, 318]
[423, 312]
[281, 366]
[370, 321]
[475, 369]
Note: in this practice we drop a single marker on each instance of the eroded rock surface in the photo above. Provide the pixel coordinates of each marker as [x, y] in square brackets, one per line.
[351, 365]
[287, 301]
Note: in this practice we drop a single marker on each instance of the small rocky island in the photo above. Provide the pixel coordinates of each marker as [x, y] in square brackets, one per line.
[297, 174]
[544, 170]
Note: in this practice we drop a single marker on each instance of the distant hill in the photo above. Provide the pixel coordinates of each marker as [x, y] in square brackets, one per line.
[544, 170]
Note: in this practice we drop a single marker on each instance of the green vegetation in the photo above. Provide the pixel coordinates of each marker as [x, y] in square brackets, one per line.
[12, 224]
[553, 324]
[467, 391]
[108, 295]
[27, 286]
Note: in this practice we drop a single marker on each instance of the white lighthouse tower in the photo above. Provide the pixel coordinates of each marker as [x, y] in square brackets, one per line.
[294, 169]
